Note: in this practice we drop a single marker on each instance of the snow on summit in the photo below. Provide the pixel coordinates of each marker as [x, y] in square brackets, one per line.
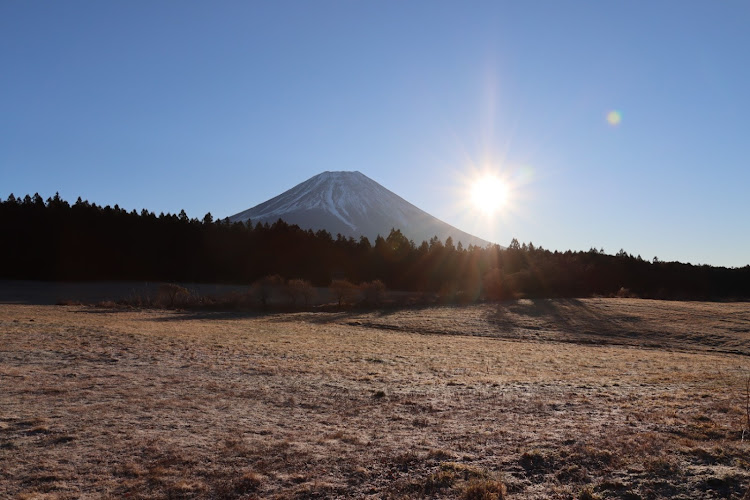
[352, 204]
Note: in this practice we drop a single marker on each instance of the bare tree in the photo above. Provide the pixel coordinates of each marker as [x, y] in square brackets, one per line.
[296, 290]
[171, 294]
[343, 290]
[265, 288]
[373, 292]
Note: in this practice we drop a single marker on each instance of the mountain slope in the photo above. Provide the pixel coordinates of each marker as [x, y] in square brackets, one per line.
[352, 204]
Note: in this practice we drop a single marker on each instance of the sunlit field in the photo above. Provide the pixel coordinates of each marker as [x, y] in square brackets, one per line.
[596, 398]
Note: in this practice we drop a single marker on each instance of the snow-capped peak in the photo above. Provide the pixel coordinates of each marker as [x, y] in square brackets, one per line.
[352, 204]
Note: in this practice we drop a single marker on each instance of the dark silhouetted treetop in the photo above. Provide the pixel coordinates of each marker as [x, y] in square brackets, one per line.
[57, 241]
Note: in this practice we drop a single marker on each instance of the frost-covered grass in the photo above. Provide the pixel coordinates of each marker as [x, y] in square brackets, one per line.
[160, 404]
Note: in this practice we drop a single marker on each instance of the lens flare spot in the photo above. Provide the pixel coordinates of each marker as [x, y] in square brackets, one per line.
[614, 117]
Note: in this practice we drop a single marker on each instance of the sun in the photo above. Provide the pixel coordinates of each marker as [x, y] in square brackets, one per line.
[489, 194]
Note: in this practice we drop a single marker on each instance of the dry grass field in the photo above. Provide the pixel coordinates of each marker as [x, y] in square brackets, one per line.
[597, 398]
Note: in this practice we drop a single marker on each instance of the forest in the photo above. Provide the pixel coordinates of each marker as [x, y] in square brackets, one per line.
[59, 241]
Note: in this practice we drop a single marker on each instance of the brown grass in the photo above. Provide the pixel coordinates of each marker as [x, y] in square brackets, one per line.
[600, 398]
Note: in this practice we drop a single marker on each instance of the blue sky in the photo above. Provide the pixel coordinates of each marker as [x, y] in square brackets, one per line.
[218, 106]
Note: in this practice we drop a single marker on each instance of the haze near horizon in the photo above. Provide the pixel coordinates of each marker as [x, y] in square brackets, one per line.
[599, 125]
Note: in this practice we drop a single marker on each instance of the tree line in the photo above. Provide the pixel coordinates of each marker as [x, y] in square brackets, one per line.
[56, 240]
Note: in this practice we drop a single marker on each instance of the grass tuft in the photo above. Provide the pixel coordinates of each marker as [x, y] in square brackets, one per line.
[587, 493]
[484, 489]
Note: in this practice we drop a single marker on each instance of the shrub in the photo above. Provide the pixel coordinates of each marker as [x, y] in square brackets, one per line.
[171, 295]
[232, 300]
[343, 291]
[299, 290]
[373, 292]
[265, 289]
[625, 293]
[138, 300]
[68, 302]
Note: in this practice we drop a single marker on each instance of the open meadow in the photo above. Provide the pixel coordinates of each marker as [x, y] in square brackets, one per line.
[580, 399]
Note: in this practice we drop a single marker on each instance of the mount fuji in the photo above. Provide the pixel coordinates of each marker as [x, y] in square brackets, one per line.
[352, 204]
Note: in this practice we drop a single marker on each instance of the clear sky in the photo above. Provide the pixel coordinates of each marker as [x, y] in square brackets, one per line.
[218, 106]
